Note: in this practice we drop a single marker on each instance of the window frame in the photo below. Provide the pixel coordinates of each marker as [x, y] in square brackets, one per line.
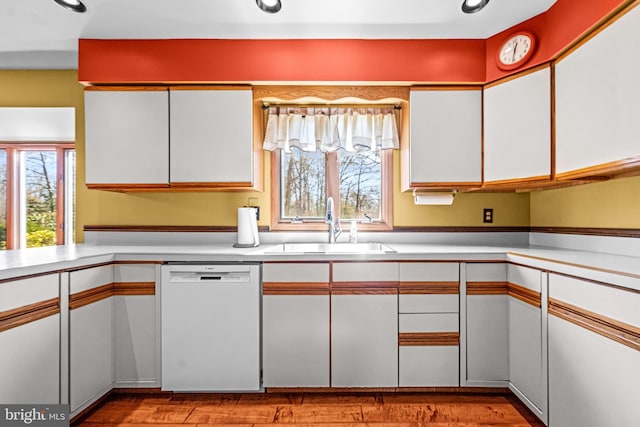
[13, 150]
[331, 95]
[332, 189]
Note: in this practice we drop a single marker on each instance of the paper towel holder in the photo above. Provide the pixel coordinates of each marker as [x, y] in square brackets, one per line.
[442, 198]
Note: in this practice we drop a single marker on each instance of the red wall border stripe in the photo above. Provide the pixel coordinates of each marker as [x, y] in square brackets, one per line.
[332, 60]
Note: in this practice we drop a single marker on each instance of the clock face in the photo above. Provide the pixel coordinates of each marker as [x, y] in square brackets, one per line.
[515, 51]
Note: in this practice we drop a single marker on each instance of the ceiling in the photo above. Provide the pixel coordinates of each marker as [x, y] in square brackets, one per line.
[41, 34]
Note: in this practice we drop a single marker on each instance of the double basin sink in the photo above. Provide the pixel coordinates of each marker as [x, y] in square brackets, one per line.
[330, 248]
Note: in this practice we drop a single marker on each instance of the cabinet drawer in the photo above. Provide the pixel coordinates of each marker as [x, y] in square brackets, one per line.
[295, 272]
[433, 322]
[429, 272]
[365, 272]
[428, 303]
[425, 366]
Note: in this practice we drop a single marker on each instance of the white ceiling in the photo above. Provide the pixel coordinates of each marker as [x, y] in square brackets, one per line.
[41, 34]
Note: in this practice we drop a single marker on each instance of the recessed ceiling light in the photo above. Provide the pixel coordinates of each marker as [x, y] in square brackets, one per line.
[473, 6]
[73, 5]
[269, 6]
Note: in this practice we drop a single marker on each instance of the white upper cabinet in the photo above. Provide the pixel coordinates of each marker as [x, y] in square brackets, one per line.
[597, 101]
[517, 129]
[445, 148]
[212, 137]
[126, 137]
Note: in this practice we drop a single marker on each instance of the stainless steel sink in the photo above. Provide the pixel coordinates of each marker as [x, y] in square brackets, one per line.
[330, 248]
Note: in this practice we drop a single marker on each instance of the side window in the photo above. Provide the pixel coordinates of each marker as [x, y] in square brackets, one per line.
[36, 201]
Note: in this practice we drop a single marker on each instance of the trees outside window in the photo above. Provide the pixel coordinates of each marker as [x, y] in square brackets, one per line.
[303, 181]
[33, 212]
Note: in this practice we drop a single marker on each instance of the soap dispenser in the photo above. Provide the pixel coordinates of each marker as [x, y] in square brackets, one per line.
[353, 232]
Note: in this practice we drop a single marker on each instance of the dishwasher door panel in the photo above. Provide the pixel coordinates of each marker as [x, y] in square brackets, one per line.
[210, 336]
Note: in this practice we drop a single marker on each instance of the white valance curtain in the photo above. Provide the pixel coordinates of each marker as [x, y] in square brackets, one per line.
[329, 129]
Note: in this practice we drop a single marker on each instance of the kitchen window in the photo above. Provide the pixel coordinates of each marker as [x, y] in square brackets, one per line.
[338, 152]
[37, 194]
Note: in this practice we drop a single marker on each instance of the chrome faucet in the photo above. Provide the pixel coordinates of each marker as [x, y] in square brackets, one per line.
[334, 224]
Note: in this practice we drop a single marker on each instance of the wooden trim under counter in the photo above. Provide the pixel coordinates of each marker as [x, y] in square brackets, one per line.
[80, 299]
[29, 313]
[487, 288]
[429, 288]
[295, 288]
[428, 339]
[615, 330]
[364, 288]
[134, 288]
[526, 295]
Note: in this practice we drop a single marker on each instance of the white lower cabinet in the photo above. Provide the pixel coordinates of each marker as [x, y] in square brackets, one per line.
[364, 324]
[429, 325]
[90, 335]
[295, 340]
[593, 378]
[30, 352]
[431, 360]
[364, 340]
[295, 325]
[135, 343]
[528, 337]
[487, 325]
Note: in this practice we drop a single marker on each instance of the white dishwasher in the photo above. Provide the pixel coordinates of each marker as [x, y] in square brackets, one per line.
[210, 322]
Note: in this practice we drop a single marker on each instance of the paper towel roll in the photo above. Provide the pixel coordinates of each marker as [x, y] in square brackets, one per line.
[247, 228]
[433, 198]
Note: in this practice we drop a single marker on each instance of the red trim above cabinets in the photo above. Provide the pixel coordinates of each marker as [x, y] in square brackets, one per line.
[463, 61]
[557, 29]
[248, 61]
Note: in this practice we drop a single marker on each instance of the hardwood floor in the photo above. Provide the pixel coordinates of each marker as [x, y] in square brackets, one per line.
[310, 410]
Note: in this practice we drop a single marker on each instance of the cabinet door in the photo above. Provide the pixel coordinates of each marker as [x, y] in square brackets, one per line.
[135, 327]
[517, 129]
[593, 376]
[295, 325]
[211, 137]
[487, 325]
[597, 102]
[446, 139]
[527, 337]
[90, 335]
[295, 337]
[127, 137]
[364, 340]
[30, 351]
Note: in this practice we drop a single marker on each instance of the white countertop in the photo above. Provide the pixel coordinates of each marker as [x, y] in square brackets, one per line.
[609, 268]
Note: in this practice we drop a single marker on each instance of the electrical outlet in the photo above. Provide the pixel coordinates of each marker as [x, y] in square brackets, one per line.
[257, 211]
[253, 203]
[487, 216]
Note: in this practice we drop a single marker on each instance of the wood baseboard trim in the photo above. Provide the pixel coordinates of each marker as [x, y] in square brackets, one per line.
[589, 231]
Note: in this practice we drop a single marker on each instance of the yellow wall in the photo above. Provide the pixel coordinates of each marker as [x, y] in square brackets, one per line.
[611, 204]
[49, 88]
